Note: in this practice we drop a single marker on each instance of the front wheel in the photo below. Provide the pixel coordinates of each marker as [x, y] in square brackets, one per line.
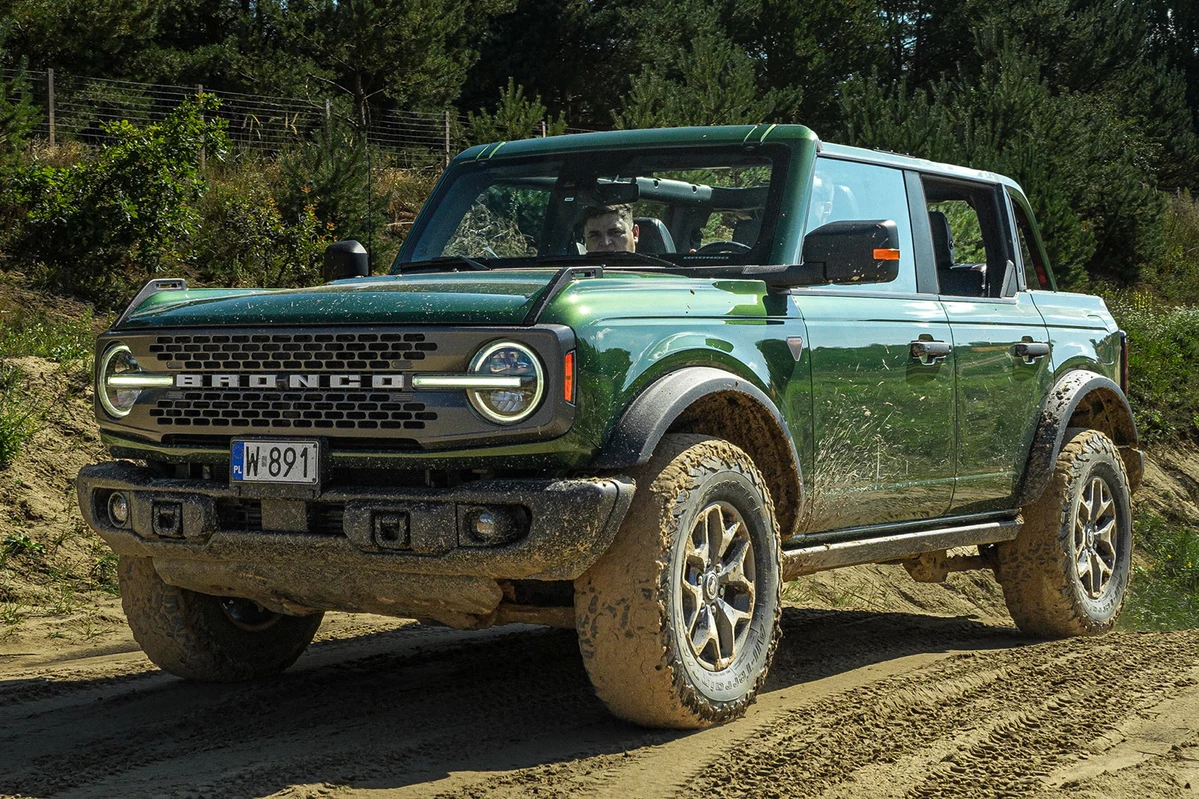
[678, 621]
[1067, 571]
[208, 638]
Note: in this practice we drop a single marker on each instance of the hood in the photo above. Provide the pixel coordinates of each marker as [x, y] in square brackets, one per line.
[494, 298]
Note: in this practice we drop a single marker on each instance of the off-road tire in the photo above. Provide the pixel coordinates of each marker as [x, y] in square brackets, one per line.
[192, 636]
[631, 607]
[1046, 591]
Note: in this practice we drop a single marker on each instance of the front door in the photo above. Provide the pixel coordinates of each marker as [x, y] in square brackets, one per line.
[883, 420]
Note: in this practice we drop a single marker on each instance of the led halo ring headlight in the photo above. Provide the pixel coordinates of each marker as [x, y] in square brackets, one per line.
[117, 400]
[508, 404]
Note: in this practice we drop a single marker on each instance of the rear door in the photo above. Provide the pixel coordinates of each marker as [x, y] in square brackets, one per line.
[1000, 342]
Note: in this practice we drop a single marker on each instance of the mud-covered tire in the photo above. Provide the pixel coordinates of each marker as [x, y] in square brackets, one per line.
[643, 606]
[1067, 571]
[207, 638]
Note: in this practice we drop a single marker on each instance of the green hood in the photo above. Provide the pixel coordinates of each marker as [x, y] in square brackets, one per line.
[496, 298]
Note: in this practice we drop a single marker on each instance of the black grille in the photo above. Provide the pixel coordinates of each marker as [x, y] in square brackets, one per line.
[245, 515]
[295, 410]
[238, 514]
[257, 352]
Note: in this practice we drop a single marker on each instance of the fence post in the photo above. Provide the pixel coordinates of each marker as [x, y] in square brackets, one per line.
[203, 158]
[328, 114]
[543, 134]
[50, 101]
[447, 138]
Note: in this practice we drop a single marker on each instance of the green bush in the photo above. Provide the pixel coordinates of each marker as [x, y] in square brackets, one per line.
[243, 238]
[329, 177]
[1165, 594]
[1163, 346]
[99, 228]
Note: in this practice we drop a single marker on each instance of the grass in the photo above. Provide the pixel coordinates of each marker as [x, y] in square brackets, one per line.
[19, 414]
[67, 341]
[63, 340]
[1164, 594]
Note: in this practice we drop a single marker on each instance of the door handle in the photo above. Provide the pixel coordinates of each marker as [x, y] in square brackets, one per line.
[929, 352]
[1029, 351]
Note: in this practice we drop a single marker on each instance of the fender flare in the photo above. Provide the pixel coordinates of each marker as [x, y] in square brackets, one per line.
[648, 417]
[1110, 413]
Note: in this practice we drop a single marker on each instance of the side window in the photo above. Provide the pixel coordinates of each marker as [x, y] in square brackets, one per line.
[1035, 274]
[969, 240]
[846, 190]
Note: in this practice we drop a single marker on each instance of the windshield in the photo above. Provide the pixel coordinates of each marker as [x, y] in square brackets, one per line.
[670, 207]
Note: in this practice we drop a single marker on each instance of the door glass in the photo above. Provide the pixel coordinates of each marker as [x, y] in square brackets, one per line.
[846, 190]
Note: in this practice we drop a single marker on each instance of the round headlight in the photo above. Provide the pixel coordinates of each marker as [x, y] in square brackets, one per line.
[519, 377]
[117, 400]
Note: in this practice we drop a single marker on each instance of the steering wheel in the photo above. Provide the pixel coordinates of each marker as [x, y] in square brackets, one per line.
[723, 247]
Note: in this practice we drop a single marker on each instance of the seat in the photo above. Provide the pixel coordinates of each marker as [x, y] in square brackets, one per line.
[746, 231]
[653, 236]
[965, 280]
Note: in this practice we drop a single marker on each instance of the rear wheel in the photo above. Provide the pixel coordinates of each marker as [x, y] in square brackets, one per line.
[1067, 571]
[208, 638]
[678, 621]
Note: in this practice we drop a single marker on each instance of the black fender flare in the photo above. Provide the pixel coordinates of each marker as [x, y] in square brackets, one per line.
[648, 417]
[1108, 410]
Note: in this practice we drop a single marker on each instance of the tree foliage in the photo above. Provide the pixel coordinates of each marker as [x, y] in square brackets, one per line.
[1091, 105]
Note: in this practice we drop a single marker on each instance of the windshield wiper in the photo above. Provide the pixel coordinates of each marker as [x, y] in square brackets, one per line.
[436, 265]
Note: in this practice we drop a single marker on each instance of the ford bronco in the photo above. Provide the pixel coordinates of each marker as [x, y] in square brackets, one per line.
[813, 356]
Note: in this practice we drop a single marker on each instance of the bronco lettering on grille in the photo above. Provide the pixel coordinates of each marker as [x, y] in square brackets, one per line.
[386, 381]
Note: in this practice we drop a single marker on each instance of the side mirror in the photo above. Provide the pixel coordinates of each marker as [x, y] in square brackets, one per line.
[851, 252]
[345, 259]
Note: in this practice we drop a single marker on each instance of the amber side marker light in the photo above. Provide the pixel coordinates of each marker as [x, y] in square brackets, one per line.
[886, 255]
[568, 381]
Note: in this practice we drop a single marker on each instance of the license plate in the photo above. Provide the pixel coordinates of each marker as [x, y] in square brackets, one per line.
[276, 462]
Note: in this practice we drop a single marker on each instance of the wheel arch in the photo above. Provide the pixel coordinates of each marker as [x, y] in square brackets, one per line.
[702, 399]
[1080, 399]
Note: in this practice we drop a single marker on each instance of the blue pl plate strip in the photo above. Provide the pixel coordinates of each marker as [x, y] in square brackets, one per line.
[239, 460]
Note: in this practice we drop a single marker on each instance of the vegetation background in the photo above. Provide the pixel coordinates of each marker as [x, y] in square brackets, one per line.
[1093, 106]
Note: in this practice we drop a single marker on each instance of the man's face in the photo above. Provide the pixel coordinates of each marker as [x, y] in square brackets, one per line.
[609, 233]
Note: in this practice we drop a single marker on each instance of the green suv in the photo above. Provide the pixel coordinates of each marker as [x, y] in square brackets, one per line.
[628, 383]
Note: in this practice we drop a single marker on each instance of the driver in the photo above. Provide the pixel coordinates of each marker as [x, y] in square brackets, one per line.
[609, 228]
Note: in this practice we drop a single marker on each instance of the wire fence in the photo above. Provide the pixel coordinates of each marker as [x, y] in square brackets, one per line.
[78, 108]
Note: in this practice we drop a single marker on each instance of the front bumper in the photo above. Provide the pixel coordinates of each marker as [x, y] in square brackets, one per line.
[399, 551]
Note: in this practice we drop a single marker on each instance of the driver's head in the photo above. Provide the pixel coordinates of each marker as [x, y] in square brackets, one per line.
[609, 228]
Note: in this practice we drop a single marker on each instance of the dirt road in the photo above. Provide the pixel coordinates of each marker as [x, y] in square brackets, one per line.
[858, 705]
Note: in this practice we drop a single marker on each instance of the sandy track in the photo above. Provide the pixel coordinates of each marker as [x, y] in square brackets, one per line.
[858, 705]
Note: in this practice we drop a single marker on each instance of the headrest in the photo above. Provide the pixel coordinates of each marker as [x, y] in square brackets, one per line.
[746, 230]
[653, 236]
[942, 240]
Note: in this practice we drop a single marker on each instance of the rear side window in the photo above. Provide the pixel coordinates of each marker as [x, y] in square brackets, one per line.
[1036, 275]
[846, 190]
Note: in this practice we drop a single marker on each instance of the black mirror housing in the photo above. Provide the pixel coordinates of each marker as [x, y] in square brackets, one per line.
[345, 259]
[849, 252]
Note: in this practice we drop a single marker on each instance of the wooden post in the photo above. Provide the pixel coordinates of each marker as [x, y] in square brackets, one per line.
[50, 101]
[203, 155]
[447, 138]
[543, 133]
[328, 113]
